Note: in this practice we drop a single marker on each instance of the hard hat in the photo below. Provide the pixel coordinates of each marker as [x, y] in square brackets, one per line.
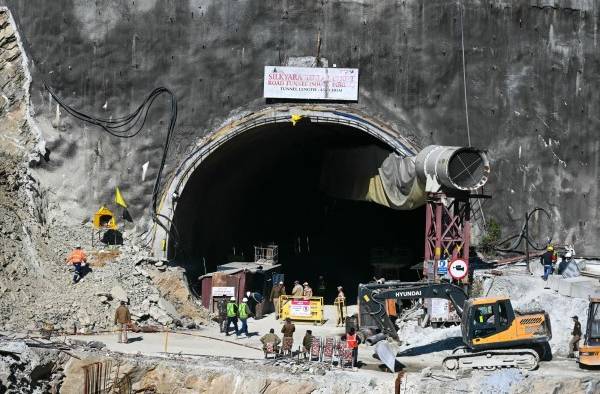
[232, 299]
[568, 255]
[78, 246]
[244, 299]
[305, 284]
[550, 248]
[280, 283]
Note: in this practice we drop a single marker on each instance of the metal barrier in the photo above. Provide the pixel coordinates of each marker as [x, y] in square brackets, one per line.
[301, 309]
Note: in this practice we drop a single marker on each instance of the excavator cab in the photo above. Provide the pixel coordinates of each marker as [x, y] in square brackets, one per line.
[589, 353]
[485, 317]
[492, 323]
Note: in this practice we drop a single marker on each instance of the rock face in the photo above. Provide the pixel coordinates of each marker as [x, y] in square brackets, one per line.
[531, 72]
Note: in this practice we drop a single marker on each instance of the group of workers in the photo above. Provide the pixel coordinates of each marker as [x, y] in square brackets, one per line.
[235, 311]
[306, 292]
[298, 290]
[350, 338]
[549, 261]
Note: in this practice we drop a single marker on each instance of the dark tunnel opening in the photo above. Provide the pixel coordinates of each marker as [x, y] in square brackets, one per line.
[263, 186]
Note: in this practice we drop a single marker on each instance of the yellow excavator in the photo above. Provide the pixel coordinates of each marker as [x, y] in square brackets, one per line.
[495, 335]
[589, 353]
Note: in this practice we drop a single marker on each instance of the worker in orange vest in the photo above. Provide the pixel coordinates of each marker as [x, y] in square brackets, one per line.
[77, 258]
[352, 341]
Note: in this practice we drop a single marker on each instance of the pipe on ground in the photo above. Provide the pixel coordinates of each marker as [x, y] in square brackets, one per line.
[373, 339]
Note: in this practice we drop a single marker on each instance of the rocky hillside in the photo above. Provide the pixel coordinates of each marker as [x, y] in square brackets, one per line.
[36, 235]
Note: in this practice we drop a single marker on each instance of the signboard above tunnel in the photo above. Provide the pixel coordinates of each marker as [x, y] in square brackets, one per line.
[311, 83]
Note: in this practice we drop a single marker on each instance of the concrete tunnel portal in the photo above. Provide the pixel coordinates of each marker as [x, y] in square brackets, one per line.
[267, 185]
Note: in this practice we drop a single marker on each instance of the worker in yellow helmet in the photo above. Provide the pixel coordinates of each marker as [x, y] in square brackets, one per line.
[546, 260]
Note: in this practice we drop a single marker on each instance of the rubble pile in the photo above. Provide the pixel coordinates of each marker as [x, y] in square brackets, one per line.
[128, 275]
[33, 370]
[300, 367]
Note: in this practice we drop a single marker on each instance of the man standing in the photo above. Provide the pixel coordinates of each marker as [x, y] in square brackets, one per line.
[77, 258]
[288, 336]
[307, 292]
[322, 287]
[352, 341]
[546, 260]
[122, 320]
[232, 314]
[277, 291]
[244, 313]
[340, 303]
[255, 303]
[307, 343]
[576, 336]
[297, 290]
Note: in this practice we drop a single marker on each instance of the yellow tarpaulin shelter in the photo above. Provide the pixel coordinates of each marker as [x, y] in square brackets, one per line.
[104, 219]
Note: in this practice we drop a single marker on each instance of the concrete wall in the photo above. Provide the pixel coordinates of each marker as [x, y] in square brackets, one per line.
[532, 77]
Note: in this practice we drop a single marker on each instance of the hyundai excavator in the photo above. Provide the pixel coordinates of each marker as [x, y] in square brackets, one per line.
[495, 336]
[589, 352]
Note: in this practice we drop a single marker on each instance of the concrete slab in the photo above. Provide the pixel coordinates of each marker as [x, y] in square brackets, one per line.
[585, 290]
[565, 285]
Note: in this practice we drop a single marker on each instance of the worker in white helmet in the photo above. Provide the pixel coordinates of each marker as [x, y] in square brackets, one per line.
[232, 316]
[244, 313]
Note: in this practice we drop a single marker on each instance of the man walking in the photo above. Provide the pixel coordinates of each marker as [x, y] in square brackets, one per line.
[232, 314]
[277, 291]
[77, 258]
[297, 291]
[122, 320]
[546, 260]
[244, 313]
[576, 336]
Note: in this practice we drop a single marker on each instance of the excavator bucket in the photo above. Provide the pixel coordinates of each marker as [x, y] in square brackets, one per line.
[386, 353]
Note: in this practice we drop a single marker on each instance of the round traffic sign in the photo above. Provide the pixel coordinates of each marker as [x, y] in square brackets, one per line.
[458, 269]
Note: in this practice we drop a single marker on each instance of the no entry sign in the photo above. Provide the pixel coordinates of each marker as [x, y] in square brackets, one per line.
[458, 269]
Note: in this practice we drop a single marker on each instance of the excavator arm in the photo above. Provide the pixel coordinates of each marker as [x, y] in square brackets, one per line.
[374, 295]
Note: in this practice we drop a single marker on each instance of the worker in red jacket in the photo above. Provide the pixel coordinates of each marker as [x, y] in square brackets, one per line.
[352, 342]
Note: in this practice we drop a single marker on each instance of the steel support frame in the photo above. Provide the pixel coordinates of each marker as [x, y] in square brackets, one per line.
[447, 230]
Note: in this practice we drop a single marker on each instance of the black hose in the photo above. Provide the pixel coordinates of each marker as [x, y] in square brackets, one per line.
[523, 235]
[129, 126]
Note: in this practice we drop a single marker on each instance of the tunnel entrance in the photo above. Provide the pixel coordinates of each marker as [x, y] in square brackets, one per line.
[265, 186]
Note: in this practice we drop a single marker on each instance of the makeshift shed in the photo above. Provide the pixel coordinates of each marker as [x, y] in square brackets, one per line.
[235, 279]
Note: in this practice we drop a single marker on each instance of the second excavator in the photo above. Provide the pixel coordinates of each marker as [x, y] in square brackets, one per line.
[494, 334]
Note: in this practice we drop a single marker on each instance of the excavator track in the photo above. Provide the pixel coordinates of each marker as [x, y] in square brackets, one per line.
[526, 359]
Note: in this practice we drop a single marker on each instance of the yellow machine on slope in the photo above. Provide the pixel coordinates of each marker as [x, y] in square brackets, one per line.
[589, 353]
[495, 336]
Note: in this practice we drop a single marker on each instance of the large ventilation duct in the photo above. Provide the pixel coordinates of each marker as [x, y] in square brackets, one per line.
[371, 173]
[453, 167]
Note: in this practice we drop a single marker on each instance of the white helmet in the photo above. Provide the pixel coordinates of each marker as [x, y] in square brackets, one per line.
[232, 299]
[568, 255]
[244, 299]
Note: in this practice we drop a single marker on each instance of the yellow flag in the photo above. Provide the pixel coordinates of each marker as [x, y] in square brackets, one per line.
[119, 200]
